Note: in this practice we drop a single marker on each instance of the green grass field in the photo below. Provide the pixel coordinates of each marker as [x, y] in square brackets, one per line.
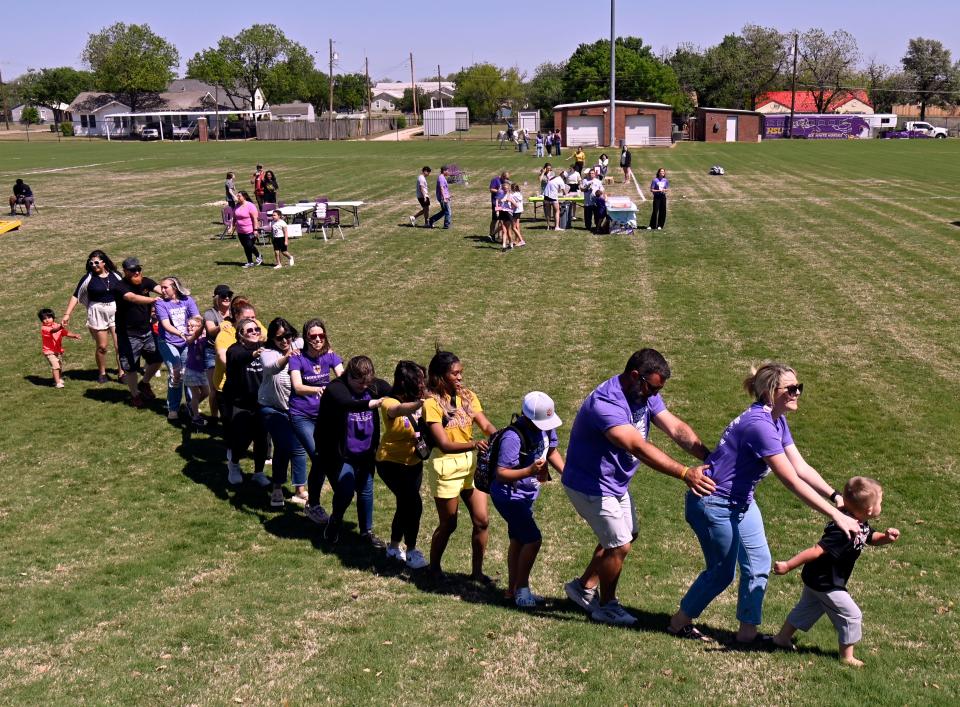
[132, 573]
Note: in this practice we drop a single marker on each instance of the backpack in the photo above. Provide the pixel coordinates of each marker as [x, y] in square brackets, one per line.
[486, 470]
[717, 170]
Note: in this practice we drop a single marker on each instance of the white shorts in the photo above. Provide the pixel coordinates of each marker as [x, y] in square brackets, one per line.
[612, 518]
[101, 315]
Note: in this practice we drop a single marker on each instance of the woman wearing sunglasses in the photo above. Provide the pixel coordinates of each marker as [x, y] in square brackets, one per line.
[728, 523]
[240, 392]
[97, 291]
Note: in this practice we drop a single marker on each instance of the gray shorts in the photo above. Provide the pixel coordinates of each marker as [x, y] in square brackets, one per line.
[612, 518]
[837, 604]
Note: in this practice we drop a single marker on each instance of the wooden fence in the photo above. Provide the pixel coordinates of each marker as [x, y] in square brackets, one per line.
[343, 129]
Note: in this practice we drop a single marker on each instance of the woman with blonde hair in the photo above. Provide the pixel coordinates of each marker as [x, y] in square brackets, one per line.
[728, 523]
[174, 307]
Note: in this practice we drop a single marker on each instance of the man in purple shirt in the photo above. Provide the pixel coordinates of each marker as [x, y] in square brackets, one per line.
[607, 443]
[443, 199]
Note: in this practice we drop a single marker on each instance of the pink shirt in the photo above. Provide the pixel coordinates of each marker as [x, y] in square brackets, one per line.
[243, 216]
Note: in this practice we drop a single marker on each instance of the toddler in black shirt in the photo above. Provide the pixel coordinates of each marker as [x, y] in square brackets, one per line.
[827, 568]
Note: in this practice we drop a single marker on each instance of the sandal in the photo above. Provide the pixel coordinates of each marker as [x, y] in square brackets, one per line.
[690, 631]
[760, 642]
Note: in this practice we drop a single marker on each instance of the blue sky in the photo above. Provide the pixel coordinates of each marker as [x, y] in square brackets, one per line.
[456, 34]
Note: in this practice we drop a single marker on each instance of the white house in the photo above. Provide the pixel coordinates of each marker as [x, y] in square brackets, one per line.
[240, 100]
[102, 114]
[388, 94]
[295, 111]
[91, 110]
[46, 114]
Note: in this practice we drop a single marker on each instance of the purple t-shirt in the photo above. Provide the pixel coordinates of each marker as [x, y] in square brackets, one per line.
[313, 372]
[594, 465]
[495, 183]
[360, 428]
[737, 465]
[196, 354]
[178, 312]
[659, 183]
[537, 444]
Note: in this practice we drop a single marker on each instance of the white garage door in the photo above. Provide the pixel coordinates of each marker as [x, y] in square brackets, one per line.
[640, 128]
[584, 130]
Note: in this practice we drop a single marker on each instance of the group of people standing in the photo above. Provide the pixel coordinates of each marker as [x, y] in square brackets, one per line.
[246, 217]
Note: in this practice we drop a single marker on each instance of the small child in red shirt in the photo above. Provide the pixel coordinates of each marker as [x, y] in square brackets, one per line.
[52, 335]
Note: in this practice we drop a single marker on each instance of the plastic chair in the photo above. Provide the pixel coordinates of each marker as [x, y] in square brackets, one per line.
[281, 204]
[226, 216]
[327, 217]
[263, 233]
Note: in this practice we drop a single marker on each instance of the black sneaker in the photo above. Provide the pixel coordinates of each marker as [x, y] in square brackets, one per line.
[373, 541]
[331, 533]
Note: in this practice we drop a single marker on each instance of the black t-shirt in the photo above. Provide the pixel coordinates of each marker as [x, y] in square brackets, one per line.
[832, 569]
[244, 374]
[22, 190]
[99, 289]
[134, 318]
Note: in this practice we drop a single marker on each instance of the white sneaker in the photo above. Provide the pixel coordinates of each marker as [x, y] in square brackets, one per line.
[261, 479]
[248, 265]
[396, 553]
[413, 221]
[585, 598]
[613, 613]
[234, 473]
[525, 599]
[59, 384]
[416, 560]
[258, 261]
[277, 266]
[291, 261]
[317, 514]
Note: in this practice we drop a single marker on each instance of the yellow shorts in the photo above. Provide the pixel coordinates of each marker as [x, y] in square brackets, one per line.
[449, 474]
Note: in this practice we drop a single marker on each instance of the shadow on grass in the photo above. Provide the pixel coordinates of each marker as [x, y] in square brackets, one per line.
[955, 223]
[483, 242]
[42, 381]
[82, 374]
[230, 263]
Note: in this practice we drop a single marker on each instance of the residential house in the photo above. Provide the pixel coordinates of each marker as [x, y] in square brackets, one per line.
[102, 114]
[91, 111]
[386, 95]
[296, 111]
[46, 114]
[237, 99]
[774, 102]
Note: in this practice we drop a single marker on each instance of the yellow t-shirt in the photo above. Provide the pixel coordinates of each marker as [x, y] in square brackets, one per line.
[396, 436]
[460, 425]
[225, 339]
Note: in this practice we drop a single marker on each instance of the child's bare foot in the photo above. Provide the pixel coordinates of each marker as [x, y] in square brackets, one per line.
[853, 662]
[783, 644]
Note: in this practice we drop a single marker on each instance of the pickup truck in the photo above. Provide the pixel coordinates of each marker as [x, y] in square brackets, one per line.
[920, 126]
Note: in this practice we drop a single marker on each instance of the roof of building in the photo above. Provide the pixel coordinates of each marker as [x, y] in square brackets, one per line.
[167, 101]
[589, 104]
[295, 108]
[93, 100]
[396, 88]
[805, 102]
[737, 111]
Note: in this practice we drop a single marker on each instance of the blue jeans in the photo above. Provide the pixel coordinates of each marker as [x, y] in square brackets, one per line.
[287, 450]
[175, 357]
[730, 534]
[443, 213]
[355, 476]
[303, 428]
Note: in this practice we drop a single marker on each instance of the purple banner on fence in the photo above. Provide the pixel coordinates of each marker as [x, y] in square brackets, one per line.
[816, 127]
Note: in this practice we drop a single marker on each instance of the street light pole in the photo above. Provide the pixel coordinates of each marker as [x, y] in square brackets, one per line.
[613, 73]
[793, 83]
[330, 108]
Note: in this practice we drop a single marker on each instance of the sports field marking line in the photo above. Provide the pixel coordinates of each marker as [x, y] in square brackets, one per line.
[84, 166]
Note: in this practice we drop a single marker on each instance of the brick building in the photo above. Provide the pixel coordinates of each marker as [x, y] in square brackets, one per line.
[727, 125]
[636, 122]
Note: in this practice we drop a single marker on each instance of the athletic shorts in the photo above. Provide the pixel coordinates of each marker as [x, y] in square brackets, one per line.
[425, 203]
[612, 518]
[449, 474]
[102, 315]
[505, 216]
[278, 244]
[517, 511]
[55, 360]
[134, 346]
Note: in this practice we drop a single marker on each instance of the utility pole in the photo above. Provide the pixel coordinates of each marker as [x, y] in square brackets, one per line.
[439, 89]
[413, 89]
[3, 102]
[613, 73]
[216, 99]
[793, 83]
[330, 109]
[366, 72]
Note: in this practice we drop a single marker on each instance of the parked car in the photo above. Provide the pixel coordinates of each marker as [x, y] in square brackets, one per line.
[150, 134]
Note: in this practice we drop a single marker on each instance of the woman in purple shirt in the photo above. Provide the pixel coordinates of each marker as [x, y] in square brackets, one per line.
[728, 523]
[174, 307]
[659, 187]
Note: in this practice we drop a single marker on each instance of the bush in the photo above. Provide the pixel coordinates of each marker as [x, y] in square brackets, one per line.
[401, 122]
[66, 129]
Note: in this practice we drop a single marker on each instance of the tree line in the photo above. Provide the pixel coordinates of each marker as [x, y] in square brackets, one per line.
[134, 63]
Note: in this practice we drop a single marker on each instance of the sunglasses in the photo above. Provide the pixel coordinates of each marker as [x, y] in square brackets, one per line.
[318, 337]
[793, 390]
[229, 295]
[285, 337]
[135, 271]
[253, 330]
[96, 262]
[653, 388]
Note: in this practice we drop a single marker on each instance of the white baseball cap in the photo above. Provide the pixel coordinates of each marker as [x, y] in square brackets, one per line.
[538, 408]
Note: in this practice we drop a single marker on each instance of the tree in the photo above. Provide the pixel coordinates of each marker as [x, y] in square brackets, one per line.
[131, 62]
[545, 89]
[30, 116]
[406, 102]
[640, 75]
[826, 63]
[742, 67]
[884, 86]
[929, 72]
[484, 88]
[293, 78]
[258, 57]
[689, 64]
[763, 61]
[350, 92]
[52, 87]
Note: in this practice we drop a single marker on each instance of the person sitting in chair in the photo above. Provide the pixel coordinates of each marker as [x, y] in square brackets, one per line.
[22, 194]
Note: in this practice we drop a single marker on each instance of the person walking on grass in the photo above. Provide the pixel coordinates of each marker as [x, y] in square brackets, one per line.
[589, 187]
[398, 462]
[496, 194]
[135, 338]
[443, 200]
[212, 319]
[97, 292]
[555, 188]
[608, 442]
[527, 446]
[244, 373]
[827, 567]
[450, 412]
[423, 198]
[174, 307]
[729, 524]
[626, 160]
[516, 199]
[52, 335]
[195, 372]
[659, 188]
[281, 238]
[247, 220]
[257, 181]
